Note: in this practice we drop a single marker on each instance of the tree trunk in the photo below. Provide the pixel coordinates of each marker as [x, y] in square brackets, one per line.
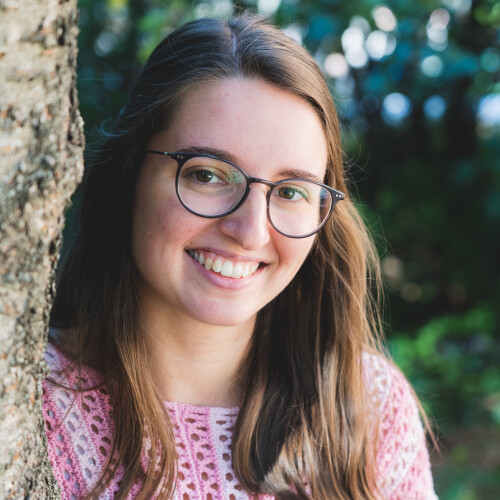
[41, 142]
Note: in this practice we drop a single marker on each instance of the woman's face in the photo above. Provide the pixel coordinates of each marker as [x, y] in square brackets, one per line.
[271, 134]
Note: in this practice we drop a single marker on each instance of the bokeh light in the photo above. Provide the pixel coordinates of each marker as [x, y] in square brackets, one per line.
[434, 108]
[396, 108]
[352, 41]
[352, 38]
[432, 66]
[223, 8]
[380, 44]
[295, 31]
[490, 60]
[105, 43]
[460, 7]
[440, 17]
[336, 66]
[384, 18]
[361, 23]
[357, 57]
[268, 7]
[437, 30]
[488, 111]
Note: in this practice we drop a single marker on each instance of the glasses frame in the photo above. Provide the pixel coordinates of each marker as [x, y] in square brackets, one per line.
[182, 158]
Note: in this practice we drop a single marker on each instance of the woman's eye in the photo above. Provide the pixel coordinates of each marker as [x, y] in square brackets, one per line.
[205, 176]
[293, 194]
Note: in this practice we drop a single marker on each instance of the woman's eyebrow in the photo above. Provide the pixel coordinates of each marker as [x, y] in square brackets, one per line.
[286, 173]
[293, 173]
[205, 150]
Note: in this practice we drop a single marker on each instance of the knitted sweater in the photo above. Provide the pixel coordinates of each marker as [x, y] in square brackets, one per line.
[79, 431]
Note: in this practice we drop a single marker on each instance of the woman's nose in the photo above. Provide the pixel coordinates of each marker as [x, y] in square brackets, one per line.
[249, 225]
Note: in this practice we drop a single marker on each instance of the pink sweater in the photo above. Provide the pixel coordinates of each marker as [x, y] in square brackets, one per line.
[79, 434]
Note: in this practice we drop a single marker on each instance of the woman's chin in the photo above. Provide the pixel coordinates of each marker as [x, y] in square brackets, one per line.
[224, 318]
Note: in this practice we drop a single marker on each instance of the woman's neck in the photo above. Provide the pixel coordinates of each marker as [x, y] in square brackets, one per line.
[195, 363]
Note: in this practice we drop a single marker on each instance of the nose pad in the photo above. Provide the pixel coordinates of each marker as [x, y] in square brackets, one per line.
[249, 224]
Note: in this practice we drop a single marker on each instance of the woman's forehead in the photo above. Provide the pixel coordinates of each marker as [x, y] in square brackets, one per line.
[255, 122]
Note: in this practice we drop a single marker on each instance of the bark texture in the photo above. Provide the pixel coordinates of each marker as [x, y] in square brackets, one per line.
[41, 142]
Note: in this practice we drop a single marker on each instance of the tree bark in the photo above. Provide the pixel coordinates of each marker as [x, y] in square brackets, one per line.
[41, 143]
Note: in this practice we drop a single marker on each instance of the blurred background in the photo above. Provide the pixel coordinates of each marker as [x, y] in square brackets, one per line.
[418, 90]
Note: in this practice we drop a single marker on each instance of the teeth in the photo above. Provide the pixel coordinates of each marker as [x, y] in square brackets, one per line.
[217, 266]
[237, 271]
[223, 267]
[227, 269]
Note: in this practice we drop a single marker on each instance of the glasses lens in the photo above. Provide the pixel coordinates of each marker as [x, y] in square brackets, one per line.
[299, 207]
[209, 186]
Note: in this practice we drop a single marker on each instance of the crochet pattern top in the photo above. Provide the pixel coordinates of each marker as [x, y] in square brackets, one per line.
[79, 431]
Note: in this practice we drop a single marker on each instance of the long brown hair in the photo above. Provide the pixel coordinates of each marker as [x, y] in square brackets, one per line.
[302, 431]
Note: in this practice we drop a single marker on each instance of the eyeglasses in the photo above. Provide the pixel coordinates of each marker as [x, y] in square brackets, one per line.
[210, 187]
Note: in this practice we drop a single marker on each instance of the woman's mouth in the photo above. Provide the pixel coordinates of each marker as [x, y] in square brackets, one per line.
[224, 267]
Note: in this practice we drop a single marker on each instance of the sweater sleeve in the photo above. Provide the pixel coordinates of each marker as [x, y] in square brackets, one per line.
[403, 466]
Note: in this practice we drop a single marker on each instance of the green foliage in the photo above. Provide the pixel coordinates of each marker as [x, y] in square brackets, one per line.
[452, 361]
[421, 129]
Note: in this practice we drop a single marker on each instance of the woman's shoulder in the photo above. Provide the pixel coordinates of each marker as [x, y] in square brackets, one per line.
[378, 373]
[78, 423]
[403, 466]
[60, 365]
[392, 402]
[385, 383]
[72, 387]
[62, 361]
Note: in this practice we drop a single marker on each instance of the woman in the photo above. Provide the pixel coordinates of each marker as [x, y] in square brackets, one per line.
[213, 318]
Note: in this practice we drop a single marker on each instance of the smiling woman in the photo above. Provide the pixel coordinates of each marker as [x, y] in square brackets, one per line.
[214, 335]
